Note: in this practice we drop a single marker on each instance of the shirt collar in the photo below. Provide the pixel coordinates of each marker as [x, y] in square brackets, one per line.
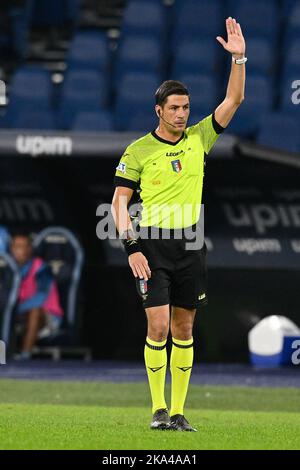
[164, 141]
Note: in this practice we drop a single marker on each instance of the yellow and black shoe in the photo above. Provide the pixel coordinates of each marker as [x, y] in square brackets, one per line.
[160, 420]
[180, 423]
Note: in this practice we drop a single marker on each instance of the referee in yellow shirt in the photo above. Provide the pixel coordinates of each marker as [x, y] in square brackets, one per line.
[169, 166]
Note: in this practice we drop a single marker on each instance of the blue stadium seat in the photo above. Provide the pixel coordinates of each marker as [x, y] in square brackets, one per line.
[259, 100]
[9, 286]
[292, 55]
[82, 91]
[55, 13]
[289, 37]
[20, 18]
[261, 54]
[31, 86]
[72, 10]
[293, 19]
[196, 19]
[89, 50]
[195, 56]
[144, 17]
[280, 131]
[289, 71]
[34, 120]
[141, 121]
[203, 91]
[257, 18]
[138, 52]
[14, 38]
[135, 98]
[97, 121]
[286, 7]
[61, 249]
[30, 90]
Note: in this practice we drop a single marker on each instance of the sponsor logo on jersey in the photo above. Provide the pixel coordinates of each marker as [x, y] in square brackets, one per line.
[174, 154]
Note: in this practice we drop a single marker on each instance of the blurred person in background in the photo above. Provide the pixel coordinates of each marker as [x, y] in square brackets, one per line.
[38, 305]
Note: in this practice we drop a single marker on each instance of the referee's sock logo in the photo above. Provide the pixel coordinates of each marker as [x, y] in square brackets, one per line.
[156, 369]
[184, 369]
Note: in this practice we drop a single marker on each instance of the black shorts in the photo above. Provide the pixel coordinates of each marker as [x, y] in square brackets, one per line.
[178, 275]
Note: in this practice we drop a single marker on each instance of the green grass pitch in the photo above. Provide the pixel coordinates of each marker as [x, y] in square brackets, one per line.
[97, 415]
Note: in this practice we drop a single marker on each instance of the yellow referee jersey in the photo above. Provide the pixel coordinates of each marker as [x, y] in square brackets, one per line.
[170, 174]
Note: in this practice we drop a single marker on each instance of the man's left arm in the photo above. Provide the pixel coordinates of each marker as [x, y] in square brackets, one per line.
[236, 86]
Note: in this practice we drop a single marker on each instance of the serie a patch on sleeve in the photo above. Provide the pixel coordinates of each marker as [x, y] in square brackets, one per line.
[122, 167]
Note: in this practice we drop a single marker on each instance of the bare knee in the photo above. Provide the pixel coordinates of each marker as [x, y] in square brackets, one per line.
[182, 323]
[158, 329]
[182, 331]
[158, 323]
[158, 332]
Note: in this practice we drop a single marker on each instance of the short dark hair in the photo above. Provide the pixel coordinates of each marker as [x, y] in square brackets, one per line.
[167, 88]
[20, 233]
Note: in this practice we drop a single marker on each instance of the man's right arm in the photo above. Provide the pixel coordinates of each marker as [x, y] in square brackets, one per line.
[121, 199]
[137, 261]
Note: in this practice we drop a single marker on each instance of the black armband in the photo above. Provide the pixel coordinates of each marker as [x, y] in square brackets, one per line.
[130, 242]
